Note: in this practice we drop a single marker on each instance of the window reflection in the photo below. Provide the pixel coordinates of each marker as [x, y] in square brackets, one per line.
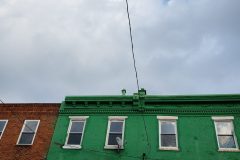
[168, 133]
[225, 134]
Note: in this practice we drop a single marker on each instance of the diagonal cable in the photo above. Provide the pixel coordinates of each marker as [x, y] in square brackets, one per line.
[130, 33]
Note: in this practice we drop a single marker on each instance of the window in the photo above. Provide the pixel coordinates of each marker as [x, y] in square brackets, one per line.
[225, 133]
[28, 132]
[3, 124]
[75, 132]
[115, 132]
[168, 133]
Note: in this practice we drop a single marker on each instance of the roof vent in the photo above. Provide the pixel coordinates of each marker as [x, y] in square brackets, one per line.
[142, 91]
[124, 92]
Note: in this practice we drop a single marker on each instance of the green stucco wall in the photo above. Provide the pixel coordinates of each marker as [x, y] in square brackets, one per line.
[196, 134]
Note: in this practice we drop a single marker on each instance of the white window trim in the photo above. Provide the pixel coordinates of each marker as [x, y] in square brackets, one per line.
[225, 119]
[75, 118]
[35, 132]
[83, 118]
[167, 119]
[5, 120]
[115, 119]
[216, 118]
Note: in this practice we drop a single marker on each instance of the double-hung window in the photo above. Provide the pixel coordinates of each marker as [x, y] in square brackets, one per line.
[75, 132]
[28, 132]
[3, 124]
[168, 139]
[115, 132]
[225, 134]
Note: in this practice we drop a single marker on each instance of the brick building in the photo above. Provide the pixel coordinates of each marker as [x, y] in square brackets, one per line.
[26, 130]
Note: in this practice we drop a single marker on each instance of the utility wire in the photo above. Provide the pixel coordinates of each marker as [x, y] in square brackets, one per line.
[145, 127]
[130, 32]
[136, 74]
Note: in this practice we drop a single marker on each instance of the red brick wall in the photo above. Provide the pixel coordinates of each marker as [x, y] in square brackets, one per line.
[16, 114]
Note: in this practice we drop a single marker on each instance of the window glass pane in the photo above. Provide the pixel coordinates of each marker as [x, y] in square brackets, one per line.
[168, 127]
[168, 141]
[30, 126]
[0, 133]
[74, 138]
[112, 138]
[26, 138]
[2, 124]
[224, 128]
[77, 126]
[226, 142]
[116, 127]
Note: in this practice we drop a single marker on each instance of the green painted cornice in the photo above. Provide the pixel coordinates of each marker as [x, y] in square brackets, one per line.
[152, 112]
[140, 103]
[195, 98]
[97, 98]
[157, 98]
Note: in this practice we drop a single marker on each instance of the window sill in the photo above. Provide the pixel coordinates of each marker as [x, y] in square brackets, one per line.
[112, 147]
[23, 144]
[169, 148]
[228, 150]
[72, 147]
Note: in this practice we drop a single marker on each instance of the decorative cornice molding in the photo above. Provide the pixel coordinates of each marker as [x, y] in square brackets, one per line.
[155, 111]
[144, 104]
[156, 98]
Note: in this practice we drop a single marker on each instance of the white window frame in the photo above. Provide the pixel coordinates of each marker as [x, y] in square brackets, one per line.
[225, 119]
[167, 119]
[79, 119]
[35, 132]
[115, 119]
[6, 121]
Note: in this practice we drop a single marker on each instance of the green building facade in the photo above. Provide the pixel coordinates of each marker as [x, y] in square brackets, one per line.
[148, 127]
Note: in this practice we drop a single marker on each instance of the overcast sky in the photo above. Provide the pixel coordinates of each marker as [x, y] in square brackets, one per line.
[53, 48]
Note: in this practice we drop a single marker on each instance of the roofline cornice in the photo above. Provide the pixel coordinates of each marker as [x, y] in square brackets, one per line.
[159, 98]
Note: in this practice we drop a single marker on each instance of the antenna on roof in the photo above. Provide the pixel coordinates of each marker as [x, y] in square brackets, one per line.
[124, 92]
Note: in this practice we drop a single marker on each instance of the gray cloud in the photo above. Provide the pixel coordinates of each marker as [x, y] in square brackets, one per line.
[50, 49]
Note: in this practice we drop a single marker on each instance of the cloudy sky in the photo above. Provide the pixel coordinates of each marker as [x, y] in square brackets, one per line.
[53, 48]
